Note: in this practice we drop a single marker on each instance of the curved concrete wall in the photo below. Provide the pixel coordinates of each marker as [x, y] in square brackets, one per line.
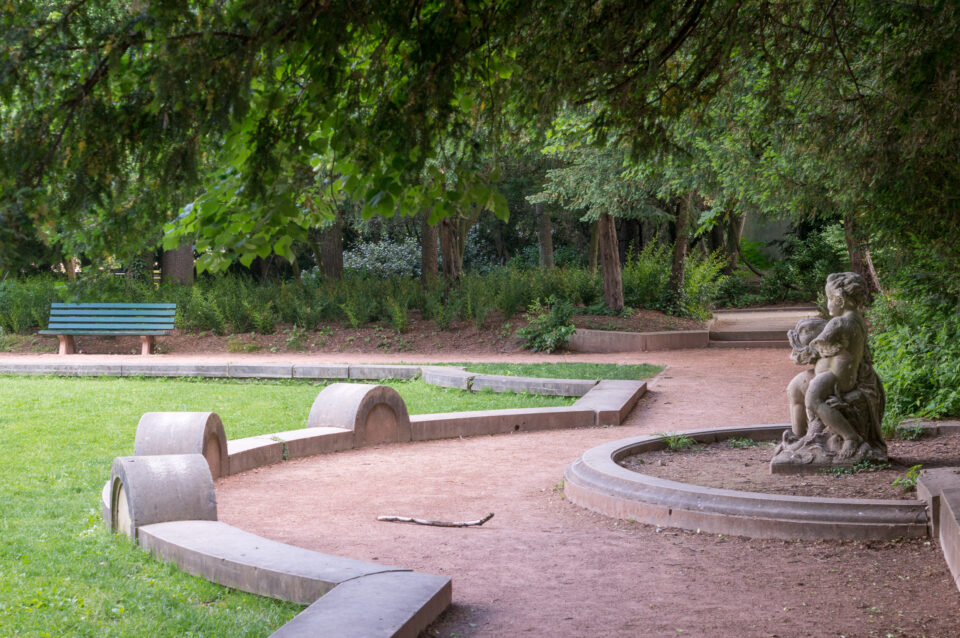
[184, 433]
[157, 489]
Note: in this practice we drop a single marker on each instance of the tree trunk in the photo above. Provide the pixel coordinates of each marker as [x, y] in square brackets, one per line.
[331, 249]
[71, 264]
[680, 250]
[449, 249]
[859, 251]
[734, 233]
[610, 263]
[428, 250]
[594, 245]
[177, 265]
[545, 233]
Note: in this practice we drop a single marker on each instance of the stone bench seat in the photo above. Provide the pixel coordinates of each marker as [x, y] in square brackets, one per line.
[612, 400]
[341, 589]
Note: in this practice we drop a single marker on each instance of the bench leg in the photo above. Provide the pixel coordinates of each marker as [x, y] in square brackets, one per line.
[67, 344]
[146, 344]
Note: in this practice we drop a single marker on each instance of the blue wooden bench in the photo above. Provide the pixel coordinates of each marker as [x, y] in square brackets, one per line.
[147, 320]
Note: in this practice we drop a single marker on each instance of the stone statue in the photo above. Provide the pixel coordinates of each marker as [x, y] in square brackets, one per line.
[837, 407]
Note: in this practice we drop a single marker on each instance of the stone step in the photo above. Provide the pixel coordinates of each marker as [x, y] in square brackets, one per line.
[748, 335]
[750, 344]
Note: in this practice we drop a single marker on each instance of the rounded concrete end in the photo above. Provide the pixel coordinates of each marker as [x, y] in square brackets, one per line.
[184, 433]
[375, 413]
[157, 489]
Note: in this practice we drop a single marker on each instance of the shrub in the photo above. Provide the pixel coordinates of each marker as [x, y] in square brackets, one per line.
[645, 277]
[384, 259]
[702, 282]
[25, 304]
[514, 293]
[478, 298]
[549, 327]
[916, 348]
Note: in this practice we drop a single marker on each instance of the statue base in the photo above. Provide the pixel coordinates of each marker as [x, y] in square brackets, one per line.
[818, 451]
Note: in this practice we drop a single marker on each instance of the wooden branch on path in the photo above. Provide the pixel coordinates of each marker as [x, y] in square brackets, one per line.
[421, 521]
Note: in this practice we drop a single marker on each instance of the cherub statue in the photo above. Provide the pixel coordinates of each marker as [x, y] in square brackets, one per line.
[835, 408]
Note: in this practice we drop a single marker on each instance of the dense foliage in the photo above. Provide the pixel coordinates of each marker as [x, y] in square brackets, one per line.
[230, 303]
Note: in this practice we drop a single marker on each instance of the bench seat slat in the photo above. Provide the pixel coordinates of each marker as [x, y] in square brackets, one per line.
[118, 320]
[151, 306]
[105, 332]
[108, 326]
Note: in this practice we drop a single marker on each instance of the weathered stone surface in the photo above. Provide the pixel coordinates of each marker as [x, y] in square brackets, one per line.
[375, 413]
[612, 400]
[316, 440]
[255, 451]
[184, 433]
[533, 385]
[370, 372]
[260, 371]
[321, 371]
[614, 341]
[174, 370]
[62, 369]
[157, 489]
[836, 408]
[453, 424]
[950, 531]
[394, 605]
[597, 482]
[447, 377]
[229, 556]
[105, 505]
[930, 485]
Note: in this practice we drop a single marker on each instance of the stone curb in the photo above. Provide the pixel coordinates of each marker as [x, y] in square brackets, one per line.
[372, 372]
[939, 488]
[447, 377]
[533, 385]
[260, 371]
[612, 400]
[727, 311]
[950, 531]
[604, 341]
[748, 335]
[448, 425]
[597, 482]
[323, 371]
[345, 611]
[229, 556]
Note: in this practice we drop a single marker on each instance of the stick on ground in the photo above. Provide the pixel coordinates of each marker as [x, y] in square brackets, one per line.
[421, 521]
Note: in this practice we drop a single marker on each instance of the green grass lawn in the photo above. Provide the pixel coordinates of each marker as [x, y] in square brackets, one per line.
[61, 573]
[566, 370]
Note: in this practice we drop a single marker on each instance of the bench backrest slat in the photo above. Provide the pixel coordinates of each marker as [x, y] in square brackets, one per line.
[63, 312]
[150, 306]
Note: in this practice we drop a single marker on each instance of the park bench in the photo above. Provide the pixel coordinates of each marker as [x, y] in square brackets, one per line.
[147, 320]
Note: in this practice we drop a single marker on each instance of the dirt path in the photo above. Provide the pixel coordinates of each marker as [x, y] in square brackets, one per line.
[545, 567]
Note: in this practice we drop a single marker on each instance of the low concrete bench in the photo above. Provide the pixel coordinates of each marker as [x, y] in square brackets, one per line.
[146, 320]
[167, 504]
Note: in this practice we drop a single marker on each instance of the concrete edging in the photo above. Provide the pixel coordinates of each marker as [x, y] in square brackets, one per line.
[605, 341]
[597, 482]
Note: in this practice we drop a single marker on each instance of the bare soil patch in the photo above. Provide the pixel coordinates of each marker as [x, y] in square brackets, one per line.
[747, 469]
[495, 336]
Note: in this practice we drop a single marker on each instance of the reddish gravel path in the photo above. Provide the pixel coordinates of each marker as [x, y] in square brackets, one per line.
[544, 567]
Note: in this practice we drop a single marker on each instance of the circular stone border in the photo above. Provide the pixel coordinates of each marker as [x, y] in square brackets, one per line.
[597, 482]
